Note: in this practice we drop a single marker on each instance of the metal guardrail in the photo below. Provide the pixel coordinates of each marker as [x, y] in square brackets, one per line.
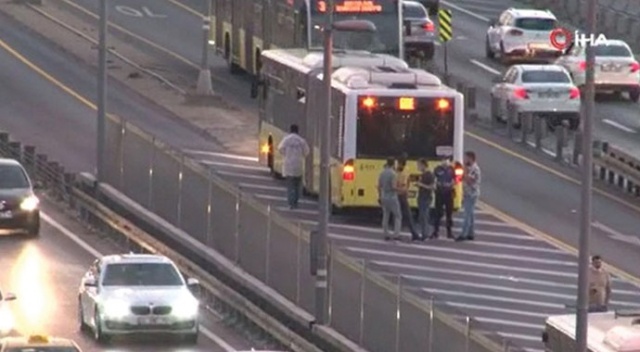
[617, 167]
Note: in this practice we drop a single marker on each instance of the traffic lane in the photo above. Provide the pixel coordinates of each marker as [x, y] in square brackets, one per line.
[78, 77]
[176, 38]
[49, 268]
[31, 109]
[551, 203]
[616, 119]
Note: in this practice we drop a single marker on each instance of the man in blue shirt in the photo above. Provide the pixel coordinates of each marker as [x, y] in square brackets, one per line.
[445, 179]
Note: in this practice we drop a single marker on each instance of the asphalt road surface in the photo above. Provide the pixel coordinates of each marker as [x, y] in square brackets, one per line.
[523, 184]
[514, 181]
[44, 274]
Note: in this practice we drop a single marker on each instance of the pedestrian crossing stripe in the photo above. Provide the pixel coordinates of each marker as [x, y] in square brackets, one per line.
[444, 21]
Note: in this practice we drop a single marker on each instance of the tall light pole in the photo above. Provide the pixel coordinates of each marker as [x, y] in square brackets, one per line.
[325, 183]
[204, 85]
[102, 91]
[582, 316]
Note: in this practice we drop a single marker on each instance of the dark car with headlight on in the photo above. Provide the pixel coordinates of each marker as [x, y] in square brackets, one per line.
[19, 206]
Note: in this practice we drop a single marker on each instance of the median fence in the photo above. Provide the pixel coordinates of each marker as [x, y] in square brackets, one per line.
[380, 313]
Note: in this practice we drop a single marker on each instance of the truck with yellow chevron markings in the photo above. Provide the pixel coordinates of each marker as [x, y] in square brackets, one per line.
[242, 29]
[381, 109]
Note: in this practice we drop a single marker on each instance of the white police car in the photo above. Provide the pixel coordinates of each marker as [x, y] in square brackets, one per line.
[522, 35]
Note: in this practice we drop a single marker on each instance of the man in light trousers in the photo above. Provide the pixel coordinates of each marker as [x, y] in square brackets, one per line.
[388, 199]
[294, 149]
[470, 193]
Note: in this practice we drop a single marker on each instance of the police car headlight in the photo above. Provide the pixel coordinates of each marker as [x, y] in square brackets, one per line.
[114, 308]
[186, 308]
[30, 203]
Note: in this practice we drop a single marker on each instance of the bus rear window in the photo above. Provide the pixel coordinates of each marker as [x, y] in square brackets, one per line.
[386, 131]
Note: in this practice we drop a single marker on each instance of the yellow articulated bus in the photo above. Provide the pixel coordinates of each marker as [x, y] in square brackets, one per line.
[381, 109]
[242, 29]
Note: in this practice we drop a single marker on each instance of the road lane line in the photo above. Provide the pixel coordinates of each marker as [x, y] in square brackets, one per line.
[233, 166]
[570, 297]
[551, 250]
[485, 67]
[95, 253]
[186, 8]
[221, 155]
[283, 199]
[537, 233]
[511, 336]
[135, 36]
[618, 126]
[263, 187]
[491, 298]
[508, 323]
[241, 175]
[465, 11]
[498, 310]
[298, 210]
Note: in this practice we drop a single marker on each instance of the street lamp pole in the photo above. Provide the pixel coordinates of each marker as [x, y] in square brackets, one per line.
[325, 184]
[204, 85]
[582, 316]
[102, 91]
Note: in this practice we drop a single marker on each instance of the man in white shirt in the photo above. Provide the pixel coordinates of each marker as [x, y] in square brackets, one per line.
[294, 149]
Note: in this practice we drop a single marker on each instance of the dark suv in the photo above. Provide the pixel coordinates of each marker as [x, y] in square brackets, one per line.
[19, 206]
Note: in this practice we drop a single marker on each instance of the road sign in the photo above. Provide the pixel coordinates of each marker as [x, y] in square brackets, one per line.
[444, 21]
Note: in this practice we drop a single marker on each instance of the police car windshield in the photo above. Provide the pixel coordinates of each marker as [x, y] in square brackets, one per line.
[42, 349]
[13, 177]
[141, 274]
[536, 24]
[540, 76]
[612, 50]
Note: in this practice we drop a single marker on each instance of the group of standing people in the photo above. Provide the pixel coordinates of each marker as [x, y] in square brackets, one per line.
[393, 192]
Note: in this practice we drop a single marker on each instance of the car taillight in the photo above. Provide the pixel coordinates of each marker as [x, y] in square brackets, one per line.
[459, 172]
[515, 32]
[429, 27]
[348, 171]
[582, 65]
[635, 67]
[574, 93]
[520, 93]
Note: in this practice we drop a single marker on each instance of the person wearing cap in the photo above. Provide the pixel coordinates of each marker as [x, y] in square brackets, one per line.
[445, 178]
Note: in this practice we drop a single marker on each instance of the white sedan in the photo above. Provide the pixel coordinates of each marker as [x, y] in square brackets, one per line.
[546, 91]
[6, 317]
[137, 293]
[616, 69]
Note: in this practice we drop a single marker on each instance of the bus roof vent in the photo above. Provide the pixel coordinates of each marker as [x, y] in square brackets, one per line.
[391, 77]
[623, 338]
[354, 59]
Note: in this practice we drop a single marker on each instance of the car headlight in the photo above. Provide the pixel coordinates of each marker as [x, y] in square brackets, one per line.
[114, 308]
[30, 203]
[6, 321]
[185, 308]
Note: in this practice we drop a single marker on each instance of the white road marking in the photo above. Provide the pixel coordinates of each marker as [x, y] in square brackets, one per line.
[283, 199]
[234, 166]
[465, 11]
[471, 253]
[470, 273]
[221, 155]
[544, 150]
[94, 252]
[473, 264]
[498, 310]
[615, 235]
[508, 323]
[298, 210]
[493, 298]
[485, 67]
[509, 335]
[243, 175]
[263, 187]
[618, 126]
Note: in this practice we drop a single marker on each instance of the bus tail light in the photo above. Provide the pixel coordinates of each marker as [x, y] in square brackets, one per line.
[459, 172]
[348, 171]
[265, 149]
[443, 104]
[369, 102]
